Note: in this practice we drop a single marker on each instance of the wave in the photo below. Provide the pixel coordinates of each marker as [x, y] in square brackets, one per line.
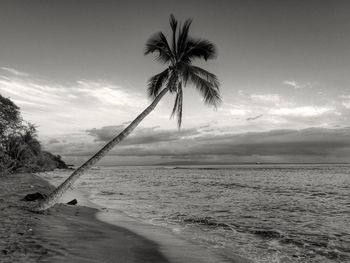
[332, 253]
[268, 234]
[208, 222]
[200, 168]
[321, 248]
[107, 193]
[230, 185]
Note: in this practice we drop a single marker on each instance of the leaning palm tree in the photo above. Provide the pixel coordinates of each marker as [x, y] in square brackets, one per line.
[180, 73]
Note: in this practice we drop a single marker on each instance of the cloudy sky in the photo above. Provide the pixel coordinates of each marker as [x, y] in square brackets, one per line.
[77, 70]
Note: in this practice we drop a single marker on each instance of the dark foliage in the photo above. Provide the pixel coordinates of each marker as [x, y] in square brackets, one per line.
[10, 119]
[20, 150]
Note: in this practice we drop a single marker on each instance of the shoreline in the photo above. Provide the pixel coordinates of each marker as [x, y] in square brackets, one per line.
[173, 247]
[176, 248]
[83, 234]
[62, 233]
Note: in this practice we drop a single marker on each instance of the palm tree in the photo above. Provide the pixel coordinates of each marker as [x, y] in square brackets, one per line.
[179, 73]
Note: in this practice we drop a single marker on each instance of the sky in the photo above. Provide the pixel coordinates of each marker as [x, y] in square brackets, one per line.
[77, 70]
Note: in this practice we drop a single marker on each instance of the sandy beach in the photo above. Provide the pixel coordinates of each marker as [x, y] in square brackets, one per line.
[74, 234]
[64, 233]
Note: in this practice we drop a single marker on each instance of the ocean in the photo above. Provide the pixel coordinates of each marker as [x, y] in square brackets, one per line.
[267, 213]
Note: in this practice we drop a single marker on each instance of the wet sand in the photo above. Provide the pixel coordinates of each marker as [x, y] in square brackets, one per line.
[63, 234]
[74, 234]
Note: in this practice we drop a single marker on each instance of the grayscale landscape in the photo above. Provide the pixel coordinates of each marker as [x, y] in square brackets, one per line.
[175, 131]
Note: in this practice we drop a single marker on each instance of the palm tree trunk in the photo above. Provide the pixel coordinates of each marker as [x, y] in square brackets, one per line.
[53, 198]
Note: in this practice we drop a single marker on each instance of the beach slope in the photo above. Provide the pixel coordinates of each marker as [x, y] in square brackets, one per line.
[64, 233]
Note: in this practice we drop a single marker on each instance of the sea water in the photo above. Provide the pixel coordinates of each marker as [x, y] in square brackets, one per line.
[268, 213]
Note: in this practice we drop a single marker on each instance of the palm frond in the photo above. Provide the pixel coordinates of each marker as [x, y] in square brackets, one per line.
[177, 109]
[198, 49]
[173, 25]
[212, 78]
[184, 70]
[183, 36]
[156, 82]
[188, 69]
[158, 43]
[209, 91]
[173, 81]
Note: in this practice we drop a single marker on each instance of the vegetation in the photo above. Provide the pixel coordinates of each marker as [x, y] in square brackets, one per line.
[179, 73]
[20, 150]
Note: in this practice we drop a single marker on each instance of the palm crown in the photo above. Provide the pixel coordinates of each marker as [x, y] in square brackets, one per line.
[180, 72]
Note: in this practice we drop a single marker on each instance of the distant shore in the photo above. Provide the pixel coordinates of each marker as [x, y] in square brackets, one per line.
[74, 234]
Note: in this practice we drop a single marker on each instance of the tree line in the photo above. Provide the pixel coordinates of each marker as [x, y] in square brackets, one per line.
[20, 149]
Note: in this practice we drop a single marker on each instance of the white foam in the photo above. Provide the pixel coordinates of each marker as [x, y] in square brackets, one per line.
[177, 250]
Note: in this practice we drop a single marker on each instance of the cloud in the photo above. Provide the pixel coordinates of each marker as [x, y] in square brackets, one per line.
[298, 85]
[310, 145]
[15, 72]
[142, 135]
[306, 111]
[62, 108]
[255, 117]
[307, 145]
[345, 101]
[106, 93]
[105, 133]
[238, 112]
[53, 141]
[346, 104]
[279, 112]
[266, 98]
[67, 112]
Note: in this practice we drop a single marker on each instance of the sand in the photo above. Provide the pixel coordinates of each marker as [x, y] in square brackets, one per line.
[75, 234]
[65, 233]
